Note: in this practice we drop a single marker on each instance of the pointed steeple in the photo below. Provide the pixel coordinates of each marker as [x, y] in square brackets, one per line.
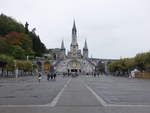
[62, 45]
[74, 30]
[74, 24]
[85, 45]
[85, 50]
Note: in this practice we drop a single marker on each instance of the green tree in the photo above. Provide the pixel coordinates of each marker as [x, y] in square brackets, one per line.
[38, 46]
[3, 45]
[18, 52]
[26, 28]
[8, 24]
[101, 67]
[28, 66]
[142, 61]
[6, 63]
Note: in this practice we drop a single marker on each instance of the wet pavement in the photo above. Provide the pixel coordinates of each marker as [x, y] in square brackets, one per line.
[83, 94]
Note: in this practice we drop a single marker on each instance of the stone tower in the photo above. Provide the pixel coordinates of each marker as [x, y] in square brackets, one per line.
[63, 50]
[74, 44]
[85, 50]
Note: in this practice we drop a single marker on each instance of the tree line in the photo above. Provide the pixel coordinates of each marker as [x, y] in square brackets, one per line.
[125, 65]
[9, 65]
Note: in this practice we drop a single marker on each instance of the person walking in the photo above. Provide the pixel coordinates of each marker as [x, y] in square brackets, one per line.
[54, 76]
[51, 76]
[48, 76]
[39, 77]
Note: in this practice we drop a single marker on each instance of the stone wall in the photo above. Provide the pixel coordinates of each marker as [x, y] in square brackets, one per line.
[142, 75]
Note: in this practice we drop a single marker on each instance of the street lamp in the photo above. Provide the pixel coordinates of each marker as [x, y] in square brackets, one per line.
[16, 70]
[27, 57]
[32, 69]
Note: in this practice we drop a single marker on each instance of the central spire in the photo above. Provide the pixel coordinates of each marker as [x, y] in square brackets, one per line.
[74, 35]
[74, 50]
[74, 30]
[74, 44]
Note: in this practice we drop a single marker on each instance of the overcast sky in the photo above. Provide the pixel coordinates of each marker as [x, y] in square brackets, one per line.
[113, 28]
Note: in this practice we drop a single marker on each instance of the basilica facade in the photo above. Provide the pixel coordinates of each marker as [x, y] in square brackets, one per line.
[75, 60]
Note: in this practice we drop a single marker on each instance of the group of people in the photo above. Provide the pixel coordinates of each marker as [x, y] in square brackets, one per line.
[70, 74]
[50, 76]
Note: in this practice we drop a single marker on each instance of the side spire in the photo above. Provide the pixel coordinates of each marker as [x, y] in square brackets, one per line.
[62, 45]
[85, 50]
[85, 45]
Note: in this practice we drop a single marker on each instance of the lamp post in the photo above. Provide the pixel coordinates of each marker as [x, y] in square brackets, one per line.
[16, 70]
[32, 69]
[27, 57]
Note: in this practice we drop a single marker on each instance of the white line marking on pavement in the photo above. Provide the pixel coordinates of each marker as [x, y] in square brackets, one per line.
[97, 97]
[52, 104]
[55, 100]
[105, 104]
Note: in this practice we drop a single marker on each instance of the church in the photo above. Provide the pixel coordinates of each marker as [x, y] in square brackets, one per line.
[75, 60]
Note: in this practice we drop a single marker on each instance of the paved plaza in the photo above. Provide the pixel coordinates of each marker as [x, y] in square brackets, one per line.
[83, 94]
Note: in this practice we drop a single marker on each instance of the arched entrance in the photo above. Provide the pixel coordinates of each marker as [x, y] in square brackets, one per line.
[47, 66]
[74, 66]
[39, 66]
